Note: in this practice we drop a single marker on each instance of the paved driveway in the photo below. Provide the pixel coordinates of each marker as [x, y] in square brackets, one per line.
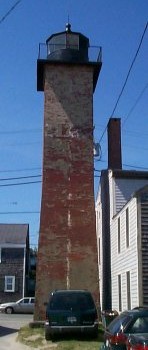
[9, 326]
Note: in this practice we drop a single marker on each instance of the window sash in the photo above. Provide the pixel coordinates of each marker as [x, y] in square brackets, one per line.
[9, 283]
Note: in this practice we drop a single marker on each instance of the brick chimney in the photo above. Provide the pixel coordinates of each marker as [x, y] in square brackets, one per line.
[114, 144]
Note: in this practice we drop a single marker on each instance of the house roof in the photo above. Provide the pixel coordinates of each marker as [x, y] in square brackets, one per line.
[129, 174]
[13, 233]
[141, 190]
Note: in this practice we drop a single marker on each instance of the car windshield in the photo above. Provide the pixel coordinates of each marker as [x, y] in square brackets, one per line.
[18, 301]
[72, 301]
[23, 301]
[119, 323]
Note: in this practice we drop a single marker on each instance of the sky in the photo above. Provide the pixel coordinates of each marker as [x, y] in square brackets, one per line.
[115, 25]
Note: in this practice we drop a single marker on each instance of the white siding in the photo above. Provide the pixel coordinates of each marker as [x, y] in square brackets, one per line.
[121, 190]
[126, 260]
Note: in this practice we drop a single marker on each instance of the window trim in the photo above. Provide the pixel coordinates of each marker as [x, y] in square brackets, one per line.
[6, 284]
[119, 235]
[127, 227]
[119, 292]
[128, 284]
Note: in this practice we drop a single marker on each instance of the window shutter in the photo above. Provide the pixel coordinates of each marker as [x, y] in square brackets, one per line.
[16, 284]
[2, 284]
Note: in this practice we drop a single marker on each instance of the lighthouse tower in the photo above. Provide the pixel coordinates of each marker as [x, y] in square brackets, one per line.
[67, 252]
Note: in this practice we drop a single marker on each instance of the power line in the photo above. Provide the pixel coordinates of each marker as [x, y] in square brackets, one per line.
[134, 133]
[97, 170]
[19, 170]
[9, 12]
[129, 165]
[128, 74]
[103, 134]
[21, 177]
[135, 166]
[135, 104]
[21, 183]
[131, 66]
[19, 212]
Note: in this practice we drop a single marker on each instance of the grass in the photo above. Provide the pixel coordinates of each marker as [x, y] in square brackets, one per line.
[34, 337]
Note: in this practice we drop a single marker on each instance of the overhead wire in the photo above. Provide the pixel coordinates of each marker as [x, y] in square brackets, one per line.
[128, 165]
[18, 212]
[20, 177]
[21, 183]
[135, 104]
[19, 170]
[127, 77]
[129, 71]
[9, 12]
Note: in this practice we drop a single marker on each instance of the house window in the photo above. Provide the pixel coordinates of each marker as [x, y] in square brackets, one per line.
[127, 227]
[9, 283]
[119, 240]
[128, 290]
[119, 292]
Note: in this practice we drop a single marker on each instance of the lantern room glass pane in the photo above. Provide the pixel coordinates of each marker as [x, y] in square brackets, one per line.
[72, 41]
[63, 41]
[56, 43]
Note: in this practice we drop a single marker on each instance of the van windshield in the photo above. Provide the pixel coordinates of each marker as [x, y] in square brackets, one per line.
[71, 301]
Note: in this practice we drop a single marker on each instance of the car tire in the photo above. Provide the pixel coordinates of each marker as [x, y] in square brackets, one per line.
[9, 310]
[47, 335]
[95, 334]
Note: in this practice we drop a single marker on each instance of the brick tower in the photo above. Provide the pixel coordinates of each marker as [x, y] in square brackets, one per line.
[67, 253]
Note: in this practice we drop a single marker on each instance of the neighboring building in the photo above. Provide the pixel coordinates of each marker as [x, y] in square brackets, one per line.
[67, 252]
[14, 261]
[119, 265]
[129, 253]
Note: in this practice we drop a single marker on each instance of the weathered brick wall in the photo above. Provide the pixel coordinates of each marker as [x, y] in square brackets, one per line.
[67, 256]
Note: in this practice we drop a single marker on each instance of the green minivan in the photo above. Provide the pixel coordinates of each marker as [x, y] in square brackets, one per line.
[71, 311]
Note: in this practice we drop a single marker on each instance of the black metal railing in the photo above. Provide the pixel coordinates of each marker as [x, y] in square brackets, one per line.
[94, 52]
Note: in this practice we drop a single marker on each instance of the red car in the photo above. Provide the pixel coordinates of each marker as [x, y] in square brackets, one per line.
[131, 322]
[137, 342]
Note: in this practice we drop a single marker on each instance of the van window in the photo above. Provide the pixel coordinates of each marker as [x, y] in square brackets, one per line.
[71, 301]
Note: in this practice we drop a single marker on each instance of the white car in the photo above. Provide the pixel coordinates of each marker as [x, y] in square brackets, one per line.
[24, 305]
